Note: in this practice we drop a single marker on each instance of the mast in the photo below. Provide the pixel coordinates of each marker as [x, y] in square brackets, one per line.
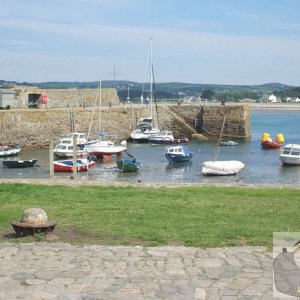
[151, 79]
[100, 103]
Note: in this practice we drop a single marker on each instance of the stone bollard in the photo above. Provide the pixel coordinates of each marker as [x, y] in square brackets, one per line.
[34, 220]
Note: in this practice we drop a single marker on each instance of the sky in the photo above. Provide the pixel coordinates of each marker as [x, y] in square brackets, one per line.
[194, 41]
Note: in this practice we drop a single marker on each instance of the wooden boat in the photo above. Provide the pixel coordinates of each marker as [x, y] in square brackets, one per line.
[178, 154]
[66, 165]
[227, 167]
[19, 163]
[128, 165]
[290, 155]
[229, 143]
[10, 150]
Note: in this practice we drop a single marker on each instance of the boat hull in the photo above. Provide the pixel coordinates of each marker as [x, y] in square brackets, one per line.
[67, 165]
[290, 155]
[128, 165]
[177, 158]
[270, 145]
[19, 163]
[221, 168]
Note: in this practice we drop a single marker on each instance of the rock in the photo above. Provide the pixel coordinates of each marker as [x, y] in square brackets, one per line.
[34, 216]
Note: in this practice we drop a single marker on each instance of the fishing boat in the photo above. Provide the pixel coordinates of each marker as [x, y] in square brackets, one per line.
[268, 143]
[66, 165]
[10, 150]
[290, 155]
[178, 154]
[229, 143]
[19, 163]
[145, 127]
[221, 168]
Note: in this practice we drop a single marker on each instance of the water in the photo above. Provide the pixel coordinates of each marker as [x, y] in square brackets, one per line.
[262, 166]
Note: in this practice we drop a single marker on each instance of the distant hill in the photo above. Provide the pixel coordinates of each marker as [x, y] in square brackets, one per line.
[167, 90]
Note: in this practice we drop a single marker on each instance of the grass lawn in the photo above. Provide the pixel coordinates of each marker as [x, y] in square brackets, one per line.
[190, 216]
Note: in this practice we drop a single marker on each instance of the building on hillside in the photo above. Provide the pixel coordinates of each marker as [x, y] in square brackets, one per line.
[7, 98]
[274, 99]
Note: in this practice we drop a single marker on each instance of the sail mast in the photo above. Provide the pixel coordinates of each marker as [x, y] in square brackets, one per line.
[151, 79]
[100, 103]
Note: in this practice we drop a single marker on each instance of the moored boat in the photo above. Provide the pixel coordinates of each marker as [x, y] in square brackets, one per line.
[268, 143]
[228, 167]
[128, 165]
[10, 150]
[178, 154]
[164, 137]
[106, 146]
[229, 143]
[290, 155]
[66, 165]
[19, 163]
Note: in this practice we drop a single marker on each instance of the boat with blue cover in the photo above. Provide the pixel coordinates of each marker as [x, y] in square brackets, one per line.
[178, 154]
[128, 164]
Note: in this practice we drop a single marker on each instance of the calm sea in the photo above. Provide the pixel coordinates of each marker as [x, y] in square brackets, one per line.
[262, 166]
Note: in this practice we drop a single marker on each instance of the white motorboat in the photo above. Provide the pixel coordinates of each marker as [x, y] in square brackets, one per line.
[10, 150]
[227, 167]
[65, 147]
[164, 137]
[290, 154]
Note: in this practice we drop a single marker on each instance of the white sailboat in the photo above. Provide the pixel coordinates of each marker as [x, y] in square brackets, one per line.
[218, 167]
[105, 147]
[145, 128]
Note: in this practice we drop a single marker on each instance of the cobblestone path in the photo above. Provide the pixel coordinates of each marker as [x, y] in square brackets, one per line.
[61, 271]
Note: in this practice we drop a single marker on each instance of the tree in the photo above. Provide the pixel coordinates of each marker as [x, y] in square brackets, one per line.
[207, 94]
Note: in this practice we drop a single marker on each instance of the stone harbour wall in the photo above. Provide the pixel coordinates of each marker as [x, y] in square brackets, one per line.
[33, 128]
[59, 98]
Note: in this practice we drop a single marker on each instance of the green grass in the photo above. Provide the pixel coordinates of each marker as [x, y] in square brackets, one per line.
[191, 216]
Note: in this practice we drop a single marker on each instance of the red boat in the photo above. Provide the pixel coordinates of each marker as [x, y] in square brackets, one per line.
[67, 165]
[270, 144]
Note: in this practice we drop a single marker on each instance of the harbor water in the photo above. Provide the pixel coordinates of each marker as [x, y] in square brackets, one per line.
[262, 167]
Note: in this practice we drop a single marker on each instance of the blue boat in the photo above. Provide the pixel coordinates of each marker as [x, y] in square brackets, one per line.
[178, 154]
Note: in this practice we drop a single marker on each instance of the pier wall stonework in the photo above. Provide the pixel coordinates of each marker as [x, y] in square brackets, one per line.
[65, 97]
[33, 128]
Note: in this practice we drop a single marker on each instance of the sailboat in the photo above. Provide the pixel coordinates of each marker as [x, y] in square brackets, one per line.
[105, 147]
[145, 128]
[225, 167]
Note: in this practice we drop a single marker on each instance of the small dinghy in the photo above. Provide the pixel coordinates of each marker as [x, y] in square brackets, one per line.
[19, 163]
[128, 164]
